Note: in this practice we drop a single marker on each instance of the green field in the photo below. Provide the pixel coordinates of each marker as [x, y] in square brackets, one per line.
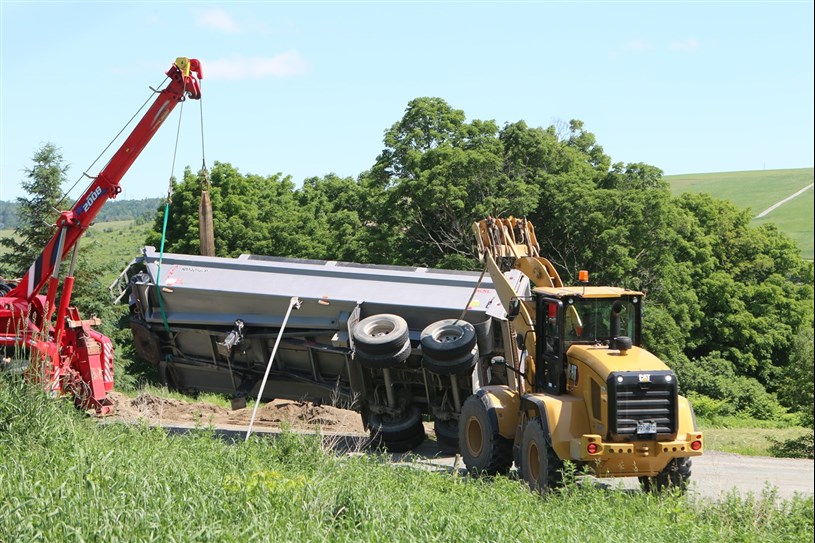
[63, 477]
[111, 245]
[758, 190]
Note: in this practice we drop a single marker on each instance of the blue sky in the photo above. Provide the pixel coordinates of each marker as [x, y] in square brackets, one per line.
[309, 88]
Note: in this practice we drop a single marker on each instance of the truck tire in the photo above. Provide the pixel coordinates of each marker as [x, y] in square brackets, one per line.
[483, 449]
[540, 466]
[384, 360]
[404, 445]
[397, 434]
[446, 435]
[451, 367]
[676, 475]
[380, 334]
[448, 339]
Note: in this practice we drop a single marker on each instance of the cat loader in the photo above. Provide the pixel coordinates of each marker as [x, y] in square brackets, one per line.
[584, 389]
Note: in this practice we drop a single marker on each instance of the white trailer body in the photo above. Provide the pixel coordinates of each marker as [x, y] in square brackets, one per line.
[209, 324]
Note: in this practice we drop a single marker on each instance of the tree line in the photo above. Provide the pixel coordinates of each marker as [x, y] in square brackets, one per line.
[729, 306]
[114, 210]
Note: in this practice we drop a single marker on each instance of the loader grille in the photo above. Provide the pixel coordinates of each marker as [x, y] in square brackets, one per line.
[642, 405]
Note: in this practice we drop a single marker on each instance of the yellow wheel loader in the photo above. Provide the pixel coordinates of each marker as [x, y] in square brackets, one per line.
[584, 389]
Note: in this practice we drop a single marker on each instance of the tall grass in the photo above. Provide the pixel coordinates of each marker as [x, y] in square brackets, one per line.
[66, 478]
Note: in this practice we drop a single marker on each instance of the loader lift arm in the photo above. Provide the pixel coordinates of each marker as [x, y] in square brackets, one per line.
[504, 244]
[73, 358]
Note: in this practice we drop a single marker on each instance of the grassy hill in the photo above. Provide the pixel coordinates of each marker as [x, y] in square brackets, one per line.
[111, 245]
[757, 191]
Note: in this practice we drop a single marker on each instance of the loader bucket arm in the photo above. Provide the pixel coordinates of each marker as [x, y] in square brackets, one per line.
[515, 243]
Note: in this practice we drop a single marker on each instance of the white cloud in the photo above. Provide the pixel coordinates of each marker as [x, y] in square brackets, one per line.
[690, 44]
[636, 45]
[219, 20]
[287, 64]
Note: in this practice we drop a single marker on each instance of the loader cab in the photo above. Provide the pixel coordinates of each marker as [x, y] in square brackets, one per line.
[580, 315]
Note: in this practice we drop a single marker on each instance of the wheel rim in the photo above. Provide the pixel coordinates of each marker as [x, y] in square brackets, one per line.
[448, 334]
[475, 436]
[533, 459]
[378, 329]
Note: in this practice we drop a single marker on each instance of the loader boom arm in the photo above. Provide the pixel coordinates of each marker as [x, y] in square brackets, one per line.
[507, 243]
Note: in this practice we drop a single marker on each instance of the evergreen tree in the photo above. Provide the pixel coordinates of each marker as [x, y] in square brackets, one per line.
[36, 212]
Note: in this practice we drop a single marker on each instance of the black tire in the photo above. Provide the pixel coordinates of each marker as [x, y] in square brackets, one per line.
[404, 445]
[540, 466]
[676, 475]
[380, 334]
[449, 339]
[446, 435]
[458, 366]
[397, 434]
[483, 449]
[385, 360]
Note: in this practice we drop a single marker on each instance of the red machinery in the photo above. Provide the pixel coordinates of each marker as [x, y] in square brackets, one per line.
[70, 357]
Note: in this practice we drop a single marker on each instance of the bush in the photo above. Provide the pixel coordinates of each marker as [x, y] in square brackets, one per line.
[798, 447]
[706, 407]
[713, 381]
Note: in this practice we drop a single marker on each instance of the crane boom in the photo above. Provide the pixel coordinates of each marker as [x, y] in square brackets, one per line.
[72, 358]
[106, 185]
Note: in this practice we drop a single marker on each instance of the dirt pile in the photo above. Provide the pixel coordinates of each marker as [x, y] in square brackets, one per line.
[272, 415]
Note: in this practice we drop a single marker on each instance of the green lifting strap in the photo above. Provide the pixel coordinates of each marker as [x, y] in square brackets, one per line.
[158, 271]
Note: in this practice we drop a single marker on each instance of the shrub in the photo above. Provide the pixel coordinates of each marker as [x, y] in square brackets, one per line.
[797, 447]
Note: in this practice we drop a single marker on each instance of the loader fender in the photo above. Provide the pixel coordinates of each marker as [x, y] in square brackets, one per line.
[502, 405]
[687, 418]
[562, 418]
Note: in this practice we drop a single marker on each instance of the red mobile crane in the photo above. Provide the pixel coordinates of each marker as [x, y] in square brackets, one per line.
[70, 357]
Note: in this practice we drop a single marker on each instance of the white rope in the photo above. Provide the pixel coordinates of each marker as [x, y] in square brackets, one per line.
[294, 303]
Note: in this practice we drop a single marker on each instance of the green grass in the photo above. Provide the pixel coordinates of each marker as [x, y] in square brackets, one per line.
[110, 245]
[748, 441]
[758, 190]
[796, 219]
[65, 478]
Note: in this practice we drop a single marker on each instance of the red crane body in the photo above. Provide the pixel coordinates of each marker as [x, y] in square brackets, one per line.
[71, 357]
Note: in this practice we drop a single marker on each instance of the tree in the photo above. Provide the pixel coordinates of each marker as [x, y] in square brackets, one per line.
[36, 212]
[724, 299]
[797, 390]
[440, 174]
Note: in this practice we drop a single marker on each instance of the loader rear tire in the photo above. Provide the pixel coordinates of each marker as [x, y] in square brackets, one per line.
[676, 475]
[483, 449]
[448, 339]
[380, 334]
[540, 466]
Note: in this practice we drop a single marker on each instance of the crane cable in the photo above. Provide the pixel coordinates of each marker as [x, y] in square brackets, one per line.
[167, 215]
[85, 173]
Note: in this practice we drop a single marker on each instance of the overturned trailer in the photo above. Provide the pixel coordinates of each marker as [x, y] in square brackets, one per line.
[393, 343]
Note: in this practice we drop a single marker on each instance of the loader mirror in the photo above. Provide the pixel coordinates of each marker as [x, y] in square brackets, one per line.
[514, 308]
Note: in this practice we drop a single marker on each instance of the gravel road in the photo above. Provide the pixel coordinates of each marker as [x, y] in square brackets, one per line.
[713, 474]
